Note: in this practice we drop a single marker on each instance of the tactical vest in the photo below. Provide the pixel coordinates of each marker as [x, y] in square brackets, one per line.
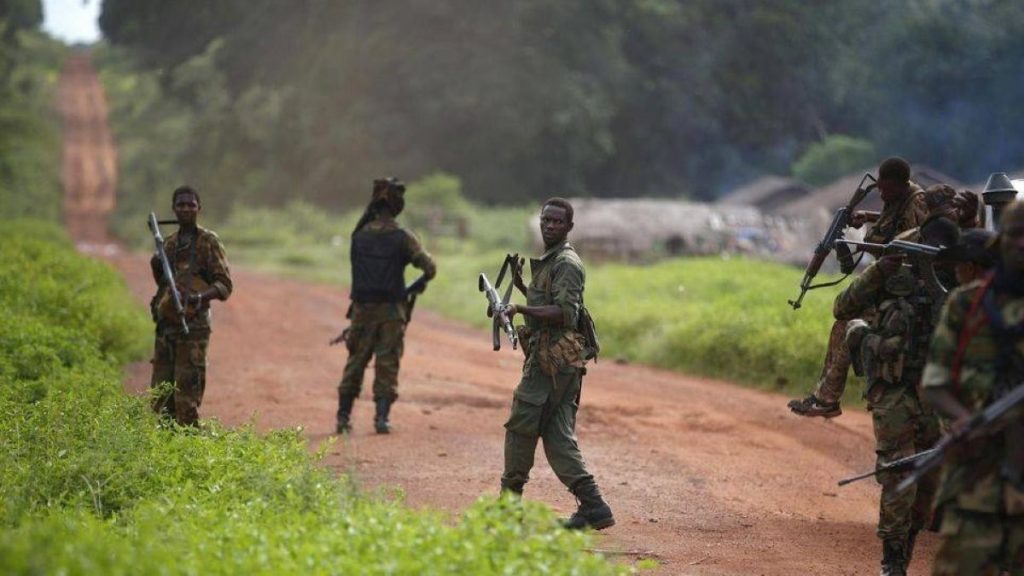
[378, 266]
[899, 335]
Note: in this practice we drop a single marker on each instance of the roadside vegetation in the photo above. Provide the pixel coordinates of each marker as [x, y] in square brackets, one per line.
[91, 483]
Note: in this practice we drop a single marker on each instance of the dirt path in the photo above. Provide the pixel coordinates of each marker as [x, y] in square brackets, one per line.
[707, 477]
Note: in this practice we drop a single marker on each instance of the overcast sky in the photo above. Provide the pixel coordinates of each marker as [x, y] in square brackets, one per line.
[72, 21]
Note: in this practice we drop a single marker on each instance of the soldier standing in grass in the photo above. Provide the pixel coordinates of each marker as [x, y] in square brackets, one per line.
[904, 208]
[201, 272]
[545, 402]
[976, 357]
[379, 312]
[890, 353]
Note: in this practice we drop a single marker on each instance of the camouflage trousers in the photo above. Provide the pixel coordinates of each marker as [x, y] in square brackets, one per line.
[979, 543]
[382, 339]
[544, 408]
[903, 426]
[180, 359]
[832, 381]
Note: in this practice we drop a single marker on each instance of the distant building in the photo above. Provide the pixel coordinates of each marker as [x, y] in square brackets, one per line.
[766, 193]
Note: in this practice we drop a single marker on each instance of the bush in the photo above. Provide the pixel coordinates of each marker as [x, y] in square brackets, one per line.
[92, 483]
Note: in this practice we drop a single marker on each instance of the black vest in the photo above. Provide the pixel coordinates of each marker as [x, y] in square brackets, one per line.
[378, 266]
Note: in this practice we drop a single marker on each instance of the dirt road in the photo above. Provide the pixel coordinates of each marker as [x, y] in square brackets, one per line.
[705, 476]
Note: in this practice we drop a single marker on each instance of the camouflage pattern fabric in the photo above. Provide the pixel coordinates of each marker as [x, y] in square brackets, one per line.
[177, 357]
[892, 355]
[893, 220]
[983, 524]
[180, 359]
[903, 426]
[378, 330]
[196, 261]
[545, 403]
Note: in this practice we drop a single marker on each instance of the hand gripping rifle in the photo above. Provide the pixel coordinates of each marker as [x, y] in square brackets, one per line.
[922, 260]
[979, 424]
[165, 265]
[496, 304]
[836, 229]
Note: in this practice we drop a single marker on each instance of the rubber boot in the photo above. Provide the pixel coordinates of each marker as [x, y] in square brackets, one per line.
[380, 421]
[593, 511]
[894, 557]
[345, 403]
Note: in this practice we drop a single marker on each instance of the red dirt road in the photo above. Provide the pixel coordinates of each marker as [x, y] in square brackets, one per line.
[704, 476]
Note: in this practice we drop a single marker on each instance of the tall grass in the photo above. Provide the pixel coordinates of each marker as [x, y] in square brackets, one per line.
[91, 483]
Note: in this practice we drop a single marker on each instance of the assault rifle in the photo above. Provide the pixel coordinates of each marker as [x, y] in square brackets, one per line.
[840, 222]
[921, 257]
[496, 304]
[894, 466]
[981, 423]
[165, 266]
[412, 290]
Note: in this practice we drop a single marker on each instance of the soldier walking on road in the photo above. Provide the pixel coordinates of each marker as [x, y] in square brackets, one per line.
[381, 249]
[890, 353]
[904, 208]
[544, 404]
[976, 357]
[201, 272]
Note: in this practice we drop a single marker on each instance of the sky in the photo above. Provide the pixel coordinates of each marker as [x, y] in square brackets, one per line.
[72, 21]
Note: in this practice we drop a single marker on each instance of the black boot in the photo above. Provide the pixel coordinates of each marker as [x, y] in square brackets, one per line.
[380, 421]
[894, 557]
[593, 511]
[344, 414]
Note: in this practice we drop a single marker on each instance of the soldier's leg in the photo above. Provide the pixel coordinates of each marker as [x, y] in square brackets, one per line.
[558, 431]
[163, 371]
[893, 417]
[832, 382]
[387, 354]
[928, 432]
[360, 344]
[522, 431]
[971, 544]
[190, 377]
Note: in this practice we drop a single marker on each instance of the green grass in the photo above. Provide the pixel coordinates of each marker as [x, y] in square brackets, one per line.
[92, 483]
[718, 317]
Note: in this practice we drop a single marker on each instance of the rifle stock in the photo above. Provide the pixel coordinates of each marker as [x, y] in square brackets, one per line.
[496, 311]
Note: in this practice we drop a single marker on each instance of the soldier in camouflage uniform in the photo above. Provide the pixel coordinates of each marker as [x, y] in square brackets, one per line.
[904, 208]
[545, 402]
[977, 355]
[379, 312]
[890, 353]
[201, 272]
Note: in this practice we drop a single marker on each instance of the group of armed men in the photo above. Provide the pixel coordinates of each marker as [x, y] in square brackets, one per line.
[933, 361]
[929, 365]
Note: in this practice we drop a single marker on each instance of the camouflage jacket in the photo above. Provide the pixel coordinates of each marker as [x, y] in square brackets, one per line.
[899, 217]
[197, 263]
[901, 327]
[972, 479]
[415, 255]
[557, 278]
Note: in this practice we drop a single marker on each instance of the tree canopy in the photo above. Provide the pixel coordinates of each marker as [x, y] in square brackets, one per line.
[530, 98]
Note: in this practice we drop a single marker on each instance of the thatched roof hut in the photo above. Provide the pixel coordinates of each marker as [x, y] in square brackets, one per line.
[766, 193]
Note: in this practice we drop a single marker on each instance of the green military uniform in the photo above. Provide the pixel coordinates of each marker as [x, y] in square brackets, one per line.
[544, 404]
[891, 353]
[983, 513]
[378, 328]
[198, 261]
[893, 220]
